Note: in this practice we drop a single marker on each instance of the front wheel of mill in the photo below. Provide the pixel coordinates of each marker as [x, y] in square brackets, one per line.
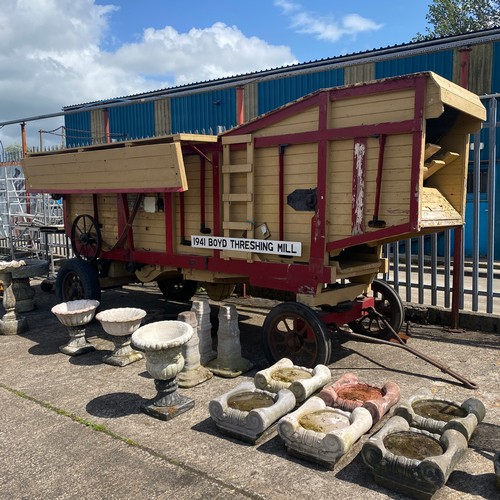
[295, 331]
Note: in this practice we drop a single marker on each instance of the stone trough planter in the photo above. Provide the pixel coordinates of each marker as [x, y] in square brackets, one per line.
[348, 393]
[412, 461]
[248, 413]
[303, 382]
[424, 411]
[321, 434]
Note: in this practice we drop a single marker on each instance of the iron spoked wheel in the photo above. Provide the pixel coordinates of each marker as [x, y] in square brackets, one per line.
[86, 240]
[178, 289]
[387, 303]
[294, 331]
[77, 279]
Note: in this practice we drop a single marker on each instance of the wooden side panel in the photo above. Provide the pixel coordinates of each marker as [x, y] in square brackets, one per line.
[304, 121]
[395, 187]
[151, 167]
[300, 172]
[97, 126]
[371, 109]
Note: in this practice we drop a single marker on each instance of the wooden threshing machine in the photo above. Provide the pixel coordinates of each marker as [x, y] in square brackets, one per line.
[300, 199]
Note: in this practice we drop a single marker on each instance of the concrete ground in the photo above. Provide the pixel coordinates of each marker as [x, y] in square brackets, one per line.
[72, 428]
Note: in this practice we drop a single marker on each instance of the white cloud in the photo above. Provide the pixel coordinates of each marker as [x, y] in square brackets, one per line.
[324, 27]
[51, 56]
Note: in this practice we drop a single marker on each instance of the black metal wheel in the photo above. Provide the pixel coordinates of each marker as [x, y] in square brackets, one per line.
[387, 303]
[77, 279]
[295, 331]
[86, 240]
[178, 289]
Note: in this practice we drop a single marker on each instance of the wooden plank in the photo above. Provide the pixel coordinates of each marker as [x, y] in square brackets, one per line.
[236, 139]
[430, 149]
[237, 169]
[237, 197]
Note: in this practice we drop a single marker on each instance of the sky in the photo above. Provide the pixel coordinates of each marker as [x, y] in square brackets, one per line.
[55, 53]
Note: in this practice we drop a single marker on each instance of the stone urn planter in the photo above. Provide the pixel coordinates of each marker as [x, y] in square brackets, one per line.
[303, 382]
[75, 315]
[321, 434]
[121, 323]
[412, 461]
[11, 323]
[248, 413]
[424, 411]
[348, 392]
[162, 345]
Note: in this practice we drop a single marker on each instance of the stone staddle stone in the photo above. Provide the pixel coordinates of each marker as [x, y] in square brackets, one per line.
[201, 309]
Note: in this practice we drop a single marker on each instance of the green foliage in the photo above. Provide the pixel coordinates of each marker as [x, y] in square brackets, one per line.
[452, 17]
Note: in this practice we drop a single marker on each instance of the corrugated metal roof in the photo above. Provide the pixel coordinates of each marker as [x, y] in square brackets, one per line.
[373, 55]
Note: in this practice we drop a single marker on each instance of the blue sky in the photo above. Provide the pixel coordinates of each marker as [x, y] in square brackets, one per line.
[55, 53]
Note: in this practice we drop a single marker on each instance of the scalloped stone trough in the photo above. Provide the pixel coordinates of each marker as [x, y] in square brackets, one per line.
[303, 382]
[321, 434]
[412, 461]
[248, 413]
[424, 411]
[348, 393]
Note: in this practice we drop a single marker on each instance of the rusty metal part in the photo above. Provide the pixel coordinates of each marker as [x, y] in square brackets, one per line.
[445, 369]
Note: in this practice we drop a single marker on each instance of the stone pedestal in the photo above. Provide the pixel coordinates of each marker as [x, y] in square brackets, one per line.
[24, 293]
[11, 323]
[229, 362]
[201, 309]
[193, 373]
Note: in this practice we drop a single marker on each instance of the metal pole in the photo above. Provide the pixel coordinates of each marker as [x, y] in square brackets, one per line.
[492, 163]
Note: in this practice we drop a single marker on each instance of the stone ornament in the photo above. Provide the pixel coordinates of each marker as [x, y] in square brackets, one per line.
[348, 393]
[75, 315]
[201, 309]
[11, 323]
[162, 345]
[319, 433]
[193, 373]
[424, 411]
[248, 413]
[121, 323]
[303, 382]
[229, 362]
[24, 293]
[412, 461]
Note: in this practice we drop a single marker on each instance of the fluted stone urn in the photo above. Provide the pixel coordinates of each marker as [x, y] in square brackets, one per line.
[75, 315]
[412, 461]
[11, 323]
[249, 413]
[425, 411]
[121, 323]
[302, 381]
[162, 344]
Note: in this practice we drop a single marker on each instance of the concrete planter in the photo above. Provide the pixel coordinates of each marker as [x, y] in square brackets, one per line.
[11, 323]
[412, 461]
[321, 434]
[248, 413]
[424, 411]
[303, 382]
[75, 315]
[121, 323]
[348, 393]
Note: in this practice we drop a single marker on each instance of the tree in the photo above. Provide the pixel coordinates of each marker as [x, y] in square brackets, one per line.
[452, 17]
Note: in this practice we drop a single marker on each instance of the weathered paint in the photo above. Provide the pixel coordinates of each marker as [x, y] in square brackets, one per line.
[358, 186]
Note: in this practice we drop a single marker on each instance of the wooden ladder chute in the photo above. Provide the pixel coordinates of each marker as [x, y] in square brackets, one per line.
[232, 201]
